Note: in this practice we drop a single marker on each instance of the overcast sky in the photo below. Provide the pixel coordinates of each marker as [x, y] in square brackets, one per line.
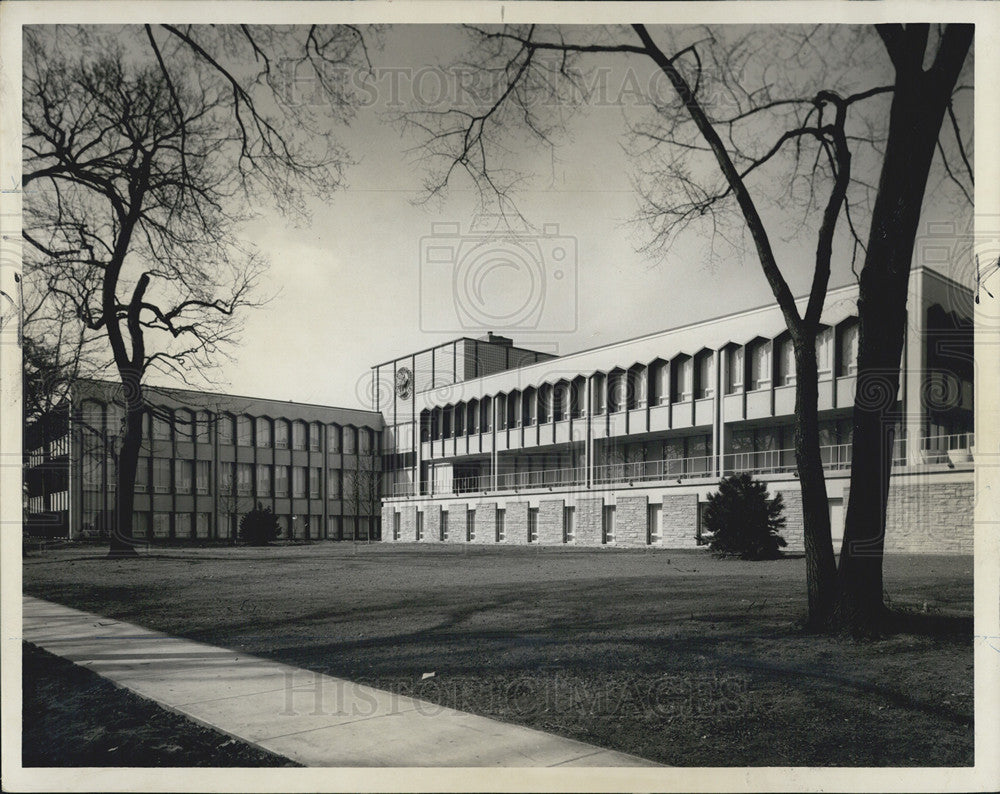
[355, 289]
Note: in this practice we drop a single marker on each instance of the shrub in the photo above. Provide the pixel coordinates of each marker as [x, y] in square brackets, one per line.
[260, 526]
[743, 521]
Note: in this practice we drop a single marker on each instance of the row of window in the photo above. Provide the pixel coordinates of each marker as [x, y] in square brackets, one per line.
[654, 525]
[161, 525]
[678, 380]
[246, 431]
[162, 475]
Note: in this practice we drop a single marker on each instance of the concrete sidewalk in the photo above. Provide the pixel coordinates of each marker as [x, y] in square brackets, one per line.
[311, 718]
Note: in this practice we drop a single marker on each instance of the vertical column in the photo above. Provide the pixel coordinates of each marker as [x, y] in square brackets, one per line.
[717, 412]
[588, 444]
[914, 368]
[493, 445]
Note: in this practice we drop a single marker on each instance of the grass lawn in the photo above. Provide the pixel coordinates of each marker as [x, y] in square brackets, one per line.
[675, 656]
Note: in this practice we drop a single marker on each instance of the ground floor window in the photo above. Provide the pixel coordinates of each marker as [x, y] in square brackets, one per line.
[395, 526]
[444, 525]
[470, 524]
[501, 529]
[608, 524]
[654, 517]
[569, 524]
[532, 525]
[420, 525]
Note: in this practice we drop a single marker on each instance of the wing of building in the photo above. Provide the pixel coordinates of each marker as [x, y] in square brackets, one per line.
[620, 445]
[482, 441]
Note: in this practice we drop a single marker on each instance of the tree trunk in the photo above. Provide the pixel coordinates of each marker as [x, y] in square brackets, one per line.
[122, 543]
[918, 106]
[821, 568]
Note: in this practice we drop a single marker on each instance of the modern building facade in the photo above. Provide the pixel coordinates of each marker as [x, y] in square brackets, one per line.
[206, 460]
[620, 445]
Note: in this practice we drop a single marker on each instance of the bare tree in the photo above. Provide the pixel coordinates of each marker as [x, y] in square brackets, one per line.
[363, 491]
[144, 150]
[531, 77]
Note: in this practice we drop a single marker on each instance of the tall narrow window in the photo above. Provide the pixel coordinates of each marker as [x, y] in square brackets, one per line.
[244, 431]
[225, 429]
[444, 525]
[333, 484]
[653, 524]
[532, 525]
[848, 363]
[142, 475]
[734, 369]
[263, 431]
[280, 434]
[244, 479]
[298, 481]
[298, 435]
[161, 427]
[824, 353]
[332, 438]
[182, 525]
[569, 524]
[264, 477]
[501, 525]
[182, 476]
[203, 433]
[608, 524]
[349, 441]
[203, 476]
[314, 437]
[704, 385]
[314, 474]
[760, 364]
[786, 362]
[161, 475]
[281, 480]
[395, 526]
[470, 524]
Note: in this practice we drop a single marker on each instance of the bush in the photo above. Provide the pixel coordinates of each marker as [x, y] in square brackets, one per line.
[743, 521]
[260, 526]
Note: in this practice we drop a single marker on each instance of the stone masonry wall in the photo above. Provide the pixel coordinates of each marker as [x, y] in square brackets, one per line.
[516, 523]
[432, 524]
[387, 513]
[589, 519]
[929, 518]
[631, 519]
[550, 522]
[792, 532]
[679, 521]
[486, 523]
[456, 522]
[408, 523]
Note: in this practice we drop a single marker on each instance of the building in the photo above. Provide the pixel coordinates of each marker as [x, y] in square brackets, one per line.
[620, 445]
[206, 459]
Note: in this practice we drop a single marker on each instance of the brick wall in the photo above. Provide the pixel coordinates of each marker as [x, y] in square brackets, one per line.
[679, 521]
[793, 529]
[589, 519]
[432, 524]
[517, 523]
[631, 520]
[929, 518]
[550, 522]
[486, 522]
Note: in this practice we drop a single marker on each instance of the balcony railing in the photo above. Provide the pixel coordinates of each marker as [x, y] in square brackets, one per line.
[935, 449]
[835, 457]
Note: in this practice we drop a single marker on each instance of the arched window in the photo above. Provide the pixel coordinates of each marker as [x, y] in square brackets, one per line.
[263, 431]
[847, 363]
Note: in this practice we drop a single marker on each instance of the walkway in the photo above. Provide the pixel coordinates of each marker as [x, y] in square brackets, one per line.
[314, 719]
